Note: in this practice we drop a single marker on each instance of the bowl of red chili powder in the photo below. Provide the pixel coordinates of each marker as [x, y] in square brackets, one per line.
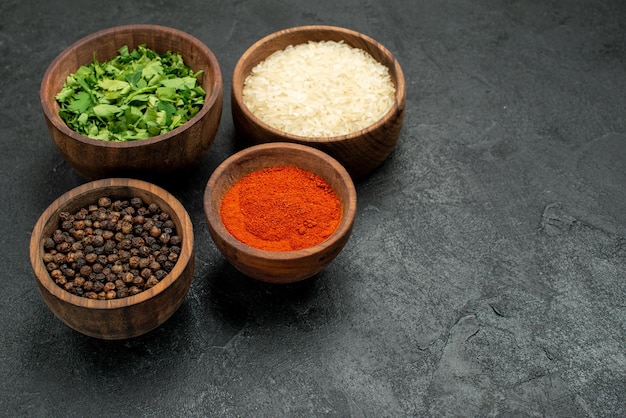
[280, 212]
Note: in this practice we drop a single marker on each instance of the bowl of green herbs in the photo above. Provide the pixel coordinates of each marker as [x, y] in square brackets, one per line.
[135, 100]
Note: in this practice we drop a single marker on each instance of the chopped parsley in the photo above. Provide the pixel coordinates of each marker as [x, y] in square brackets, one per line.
[136, 95]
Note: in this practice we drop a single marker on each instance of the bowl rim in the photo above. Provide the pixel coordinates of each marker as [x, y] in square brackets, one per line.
[238, 78]
[344, 227]
[36, 246]
[210, 100]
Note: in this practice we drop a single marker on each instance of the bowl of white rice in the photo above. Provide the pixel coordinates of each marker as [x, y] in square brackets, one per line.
[328, 87]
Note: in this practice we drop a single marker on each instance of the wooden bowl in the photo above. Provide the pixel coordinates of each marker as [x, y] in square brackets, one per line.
[183, 146]
[273, 266]
[359, 152]
[124, 317]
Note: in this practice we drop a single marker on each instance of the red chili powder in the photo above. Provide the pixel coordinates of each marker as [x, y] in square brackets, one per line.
[281, 208]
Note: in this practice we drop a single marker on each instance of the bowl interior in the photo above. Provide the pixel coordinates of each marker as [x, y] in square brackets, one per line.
[88, 194]
[271, 155]
[104, 45]
[277, 41]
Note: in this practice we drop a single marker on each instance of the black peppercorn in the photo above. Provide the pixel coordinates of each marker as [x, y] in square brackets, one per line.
[151, 282]
[138, 242]
[104, 202]
[123, 204]
[48, 244]
[78, 234]
[85, 270]
[128, 277]
[146, 273]
[133, 262]
[123, 256]
[154, 208]
[98, 286]
[109, 247]
[58, 258]
[64, 247]
[155, 231]
[80, 262]
[117, 268]
[98, 241]
[91, 257]
[136, 202]
[125, 244]
[144, 262]
[58, 237]
[164, 238]
[112, 249]
[126, 227]
[144, 251]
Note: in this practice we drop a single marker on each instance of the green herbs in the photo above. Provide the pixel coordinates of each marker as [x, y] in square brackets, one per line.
[136, 95]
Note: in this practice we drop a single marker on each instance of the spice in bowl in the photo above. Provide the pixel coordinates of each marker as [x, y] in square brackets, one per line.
[281, 208]
[112, 249]
[136, 95]
[319, 89]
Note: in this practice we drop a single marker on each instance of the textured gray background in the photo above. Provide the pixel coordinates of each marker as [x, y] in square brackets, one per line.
[486, 272]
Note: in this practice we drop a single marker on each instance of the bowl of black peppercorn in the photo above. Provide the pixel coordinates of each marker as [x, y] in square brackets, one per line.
[113, 258]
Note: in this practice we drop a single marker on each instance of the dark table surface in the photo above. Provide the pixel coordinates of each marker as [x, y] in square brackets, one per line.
[486, 272]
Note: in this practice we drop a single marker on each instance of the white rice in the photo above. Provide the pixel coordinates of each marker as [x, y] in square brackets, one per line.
[319, 89]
